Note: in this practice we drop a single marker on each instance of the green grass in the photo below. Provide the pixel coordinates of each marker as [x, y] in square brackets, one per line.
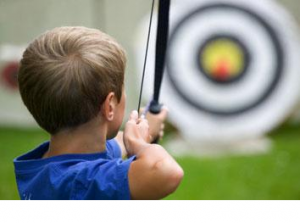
[275, 175]
[14, 142]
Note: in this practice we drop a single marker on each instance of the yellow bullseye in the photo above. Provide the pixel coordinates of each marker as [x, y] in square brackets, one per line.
[223, 59]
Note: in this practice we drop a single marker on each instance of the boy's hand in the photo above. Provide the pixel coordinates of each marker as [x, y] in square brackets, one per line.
[154, 174]
[136, 134]
[156, 123]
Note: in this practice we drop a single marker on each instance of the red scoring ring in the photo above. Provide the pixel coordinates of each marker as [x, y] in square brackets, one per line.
[9, 75]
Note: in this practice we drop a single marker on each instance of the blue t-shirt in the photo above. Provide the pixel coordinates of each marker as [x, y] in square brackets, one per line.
[73, 176]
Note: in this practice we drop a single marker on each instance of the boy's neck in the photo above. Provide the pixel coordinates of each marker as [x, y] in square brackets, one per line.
[85, 139]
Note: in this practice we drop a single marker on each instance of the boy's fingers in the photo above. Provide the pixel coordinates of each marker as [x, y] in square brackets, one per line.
[164, 113]
[150, 138]
[143, 122]
[161, 134]
[142, 110]
[134, 116]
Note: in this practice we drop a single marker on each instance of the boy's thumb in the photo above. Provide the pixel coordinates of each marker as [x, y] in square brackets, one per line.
[164, 112]
[134, 116]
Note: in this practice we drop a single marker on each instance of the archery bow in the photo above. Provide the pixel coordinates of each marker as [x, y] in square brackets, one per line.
[161, 48]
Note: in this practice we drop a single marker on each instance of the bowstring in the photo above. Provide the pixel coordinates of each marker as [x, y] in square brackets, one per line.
[146, 57]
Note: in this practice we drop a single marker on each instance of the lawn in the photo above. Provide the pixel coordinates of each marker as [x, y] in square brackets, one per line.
[275, 175]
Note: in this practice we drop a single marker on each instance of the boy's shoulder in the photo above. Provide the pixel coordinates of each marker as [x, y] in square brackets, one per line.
[73, 176]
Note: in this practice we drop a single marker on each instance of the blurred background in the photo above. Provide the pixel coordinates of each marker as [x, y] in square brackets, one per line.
[271, 173]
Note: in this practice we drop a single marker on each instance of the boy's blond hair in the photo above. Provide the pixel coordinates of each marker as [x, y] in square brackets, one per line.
[66, 74]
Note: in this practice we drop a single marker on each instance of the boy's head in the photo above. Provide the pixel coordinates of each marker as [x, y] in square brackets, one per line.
[66, 75]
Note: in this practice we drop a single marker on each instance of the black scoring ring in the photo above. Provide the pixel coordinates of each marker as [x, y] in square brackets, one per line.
[276, 76]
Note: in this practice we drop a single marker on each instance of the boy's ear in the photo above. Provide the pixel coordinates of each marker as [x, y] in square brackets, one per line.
[108, 107]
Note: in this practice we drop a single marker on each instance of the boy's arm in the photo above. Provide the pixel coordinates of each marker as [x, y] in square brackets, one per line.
[154, 174]
[119, 139]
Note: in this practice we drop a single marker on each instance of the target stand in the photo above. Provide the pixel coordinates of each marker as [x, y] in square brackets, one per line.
[231, 71]
[180, 147]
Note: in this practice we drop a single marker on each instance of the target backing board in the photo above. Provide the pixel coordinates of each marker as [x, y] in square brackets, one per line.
[232, 69]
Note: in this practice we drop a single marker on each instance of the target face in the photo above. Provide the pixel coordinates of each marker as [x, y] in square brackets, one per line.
[224, 57]
[231, 69]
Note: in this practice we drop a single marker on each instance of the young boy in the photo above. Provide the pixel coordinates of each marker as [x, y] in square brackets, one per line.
[72, 81]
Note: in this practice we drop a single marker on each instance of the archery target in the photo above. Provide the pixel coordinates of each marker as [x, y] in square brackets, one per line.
[12, 110]
[232, 68]
[247, 92]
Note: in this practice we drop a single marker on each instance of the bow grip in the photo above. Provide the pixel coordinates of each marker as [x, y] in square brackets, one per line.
[155, 107]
